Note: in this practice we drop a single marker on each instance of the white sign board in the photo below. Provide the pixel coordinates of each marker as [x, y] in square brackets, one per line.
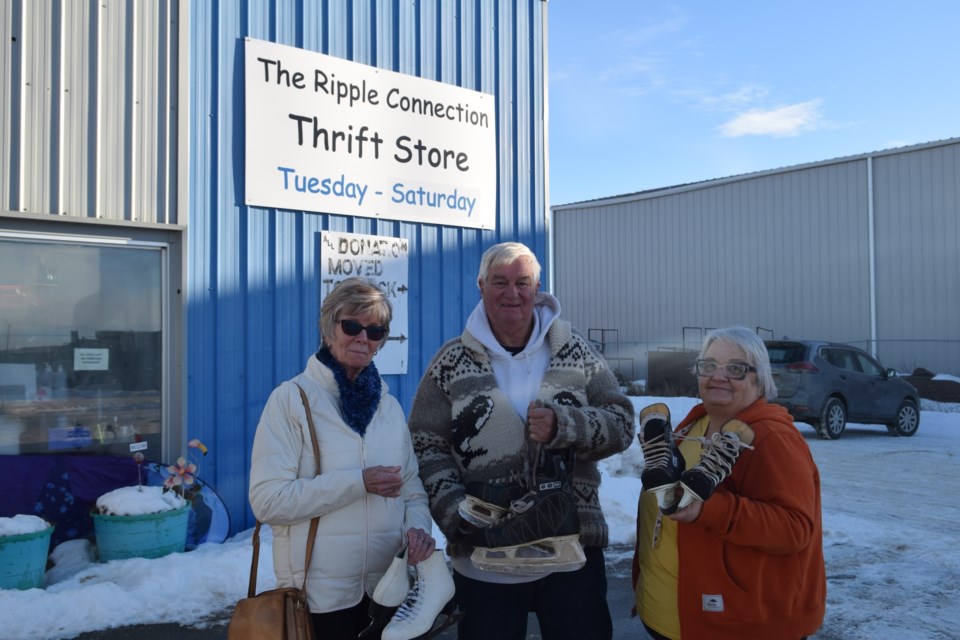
[329, 135]
[91, 359]
[383, 260]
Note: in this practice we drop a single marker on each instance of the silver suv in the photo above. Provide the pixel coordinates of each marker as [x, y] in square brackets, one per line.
[827, 383]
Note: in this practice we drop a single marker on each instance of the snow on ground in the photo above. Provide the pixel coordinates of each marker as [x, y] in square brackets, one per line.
[890, 541]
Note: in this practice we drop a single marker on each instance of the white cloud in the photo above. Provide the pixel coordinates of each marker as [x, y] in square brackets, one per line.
[791, 120]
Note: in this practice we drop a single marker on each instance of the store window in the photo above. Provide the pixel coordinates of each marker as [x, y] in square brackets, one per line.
[81, 345]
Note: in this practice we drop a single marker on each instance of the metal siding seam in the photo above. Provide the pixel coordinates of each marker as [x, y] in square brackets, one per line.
[80, 148]
[137, 121]
[114, 128]
[338, 38]
[35, 113]
[279, 25]
[260, 22]
[522, 111]
[25, 199]
[431, 295]
[260, 303]
[362, 47]
[450, 266]
[508, 65]
[58, 98]
[181, 185]
[383, 51]
[540, 141]
[504, 100]
[9, 79]
[201, 311]
[872, 257]
[157, 201]
[231, 321]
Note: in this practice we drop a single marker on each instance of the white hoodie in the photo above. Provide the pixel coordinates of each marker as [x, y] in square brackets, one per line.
[518, 376]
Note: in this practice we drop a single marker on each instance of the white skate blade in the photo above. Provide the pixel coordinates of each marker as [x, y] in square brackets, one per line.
[551, 555]
[688, 497]
[479, 513]
[666, 496]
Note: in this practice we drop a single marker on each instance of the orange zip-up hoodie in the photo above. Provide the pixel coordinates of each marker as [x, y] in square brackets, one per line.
[751, 565]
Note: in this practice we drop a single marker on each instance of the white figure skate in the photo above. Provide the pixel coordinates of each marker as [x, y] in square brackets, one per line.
[388, 595]
[432, 595]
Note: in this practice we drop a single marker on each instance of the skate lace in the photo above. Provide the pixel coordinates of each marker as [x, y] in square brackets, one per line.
[411, 606]
[518, 507]
[721, 450]
[656, 453]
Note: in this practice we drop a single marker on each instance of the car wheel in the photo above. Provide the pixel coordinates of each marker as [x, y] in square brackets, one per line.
[833, 419]
[907, 420]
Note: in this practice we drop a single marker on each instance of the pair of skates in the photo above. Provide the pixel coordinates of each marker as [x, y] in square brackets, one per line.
[664, 472]
[401, 612]
[525, 525]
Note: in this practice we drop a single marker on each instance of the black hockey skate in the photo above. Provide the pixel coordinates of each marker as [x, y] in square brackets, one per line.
[721, 451]
[662, 462]
[540, 532]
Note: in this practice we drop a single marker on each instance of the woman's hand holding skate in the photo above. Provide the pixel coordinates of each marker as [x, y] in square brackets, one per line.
[689, 513]
[420, 546]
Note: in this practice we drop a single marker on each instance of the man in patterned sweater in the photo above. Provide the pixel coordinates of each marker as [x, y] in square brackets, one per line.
[519, 379]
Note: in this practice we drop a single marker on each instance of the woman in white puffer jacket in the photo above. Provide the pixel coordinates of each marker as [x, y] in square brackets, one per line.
[366, 488]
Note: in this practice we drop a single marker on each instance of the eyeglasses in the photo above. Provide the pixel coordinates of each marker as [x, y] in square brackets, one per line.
[732, 370]
[353, 328]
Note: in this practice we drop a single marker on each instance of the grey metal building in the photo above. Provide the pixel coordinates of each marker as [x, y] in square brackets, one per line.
[860, 249]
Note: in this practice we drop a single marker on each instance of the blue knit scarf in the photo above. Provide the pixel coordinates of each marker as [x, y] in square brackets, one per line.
[358, 399]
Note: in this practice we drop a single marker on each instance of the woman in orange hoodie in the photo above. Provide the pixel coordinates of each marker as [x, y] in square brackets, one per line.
[729, 531]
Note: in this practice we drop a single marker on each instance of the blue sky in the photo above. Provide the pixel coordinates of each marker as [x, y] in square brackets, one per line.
[647, 94]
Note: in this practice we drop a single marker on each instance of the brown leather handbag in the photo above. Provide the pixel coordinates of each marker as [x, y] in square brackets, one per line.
[278, 614]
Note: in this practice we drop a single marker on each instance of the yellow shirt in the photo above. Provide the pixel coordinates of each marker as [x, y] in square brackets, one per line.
[656, 596]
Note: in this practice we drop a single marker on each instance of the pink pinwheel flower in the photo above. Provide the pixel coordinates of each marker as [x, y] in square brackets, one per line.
[181, 473]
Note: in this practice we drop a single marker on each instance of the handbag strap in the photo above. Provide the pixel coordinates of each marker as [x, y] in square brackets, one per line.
[314, 522]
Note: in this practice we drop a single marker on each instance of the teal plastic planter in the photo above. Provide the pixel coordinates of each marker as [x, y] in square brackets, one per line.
[23, 559]
[153, 535]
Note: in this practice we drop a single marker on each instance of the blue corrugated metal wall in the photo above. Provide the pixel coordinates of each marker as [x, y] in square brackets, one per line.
[253, 291]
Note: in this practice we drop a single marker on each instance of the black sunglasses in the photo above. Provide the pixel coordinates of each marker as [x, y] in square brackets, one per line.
[353, 328]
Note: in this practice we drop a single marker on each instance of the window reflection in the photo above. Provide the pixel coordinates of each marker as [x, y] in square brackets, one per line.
[80, 347]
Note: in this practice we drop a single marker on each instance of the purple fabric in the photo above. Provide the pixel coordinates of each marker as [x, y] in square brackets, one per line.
[27, 475]
[62, 489]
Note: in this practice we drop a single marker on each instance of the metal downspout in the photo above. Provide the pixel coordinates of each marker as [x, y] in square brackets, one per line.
[871, 246]
[548, 215]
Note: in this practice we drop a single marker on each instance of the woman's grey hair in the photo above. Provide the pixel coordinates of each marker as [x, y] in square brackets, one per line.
[756, 352]
[506, 253]
[354, 297]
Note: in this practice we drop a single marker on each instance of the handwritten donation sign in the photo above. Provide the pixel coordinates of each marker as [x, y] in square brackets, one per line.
[329, 135]
[383, 260]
